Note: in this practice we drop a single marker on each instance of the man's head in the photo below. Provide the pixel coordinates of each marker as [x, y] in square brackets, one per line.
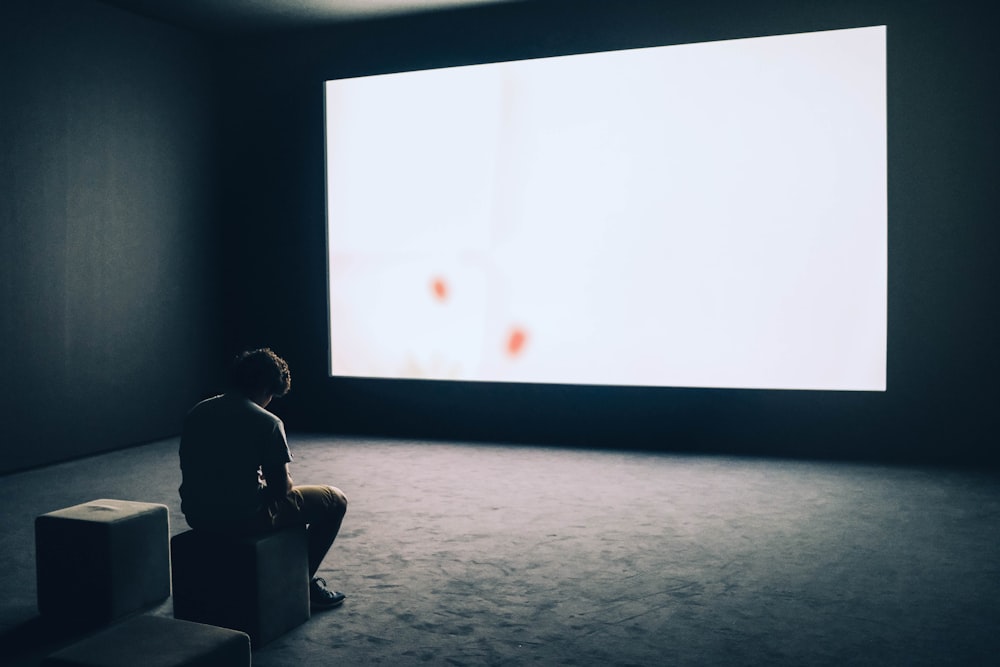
[260, 373]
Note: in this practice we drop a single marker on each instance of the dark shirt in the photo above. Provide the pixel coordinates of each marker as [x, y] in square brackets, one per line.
[226, 442]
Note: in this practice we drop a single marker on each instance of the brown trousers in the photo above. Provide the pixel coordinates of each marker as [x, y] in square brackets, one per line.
[320, 508]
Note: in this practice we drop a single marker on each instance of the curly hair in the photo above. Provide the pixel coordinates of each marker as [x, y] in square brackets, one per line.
[255, 371]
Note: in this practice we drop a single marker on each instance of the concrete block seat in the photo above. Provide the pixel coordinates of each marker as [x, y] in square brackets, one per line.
[258, 584]
[156, 641]
[102, 560]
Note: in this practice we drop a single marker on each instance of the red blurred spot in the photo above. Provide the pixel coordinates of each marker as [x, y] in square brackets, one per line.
[515, 341]
[440, 289]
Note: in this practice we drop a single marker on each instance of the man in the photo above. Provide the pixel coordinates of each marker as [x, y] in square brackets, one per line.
[234, 466]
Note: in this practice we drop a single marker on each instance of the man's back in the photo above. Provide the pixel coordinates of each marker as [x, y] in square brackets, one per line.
[226, 440]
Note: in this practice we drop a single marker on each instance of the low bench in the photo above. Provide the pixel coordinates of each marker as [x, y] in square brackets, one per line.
[102, 560]
[156, 641]
[257, 584]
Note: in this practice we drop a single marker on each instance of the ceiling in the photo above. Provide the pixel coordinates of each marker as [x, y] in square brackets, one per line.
[235, 16]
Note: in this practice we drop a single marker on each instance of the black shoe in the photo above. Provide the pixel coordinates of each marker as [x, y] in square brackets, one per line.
[321, 597]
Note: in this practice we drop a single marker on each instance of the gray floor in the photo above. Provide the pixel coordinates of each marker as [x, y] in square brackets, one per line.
[457, 554]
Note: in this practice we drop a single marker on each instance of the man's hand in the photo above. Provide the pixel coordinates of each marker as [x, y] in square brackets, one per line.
[278, 480]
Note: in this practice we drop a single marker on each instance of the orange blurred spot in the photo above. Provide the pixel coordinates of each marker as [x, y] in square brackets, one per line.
[515, 341]
[440, 289]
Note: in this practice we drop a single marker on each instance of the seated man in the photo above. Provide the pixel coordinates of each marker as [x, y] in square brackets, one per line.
[234, 466]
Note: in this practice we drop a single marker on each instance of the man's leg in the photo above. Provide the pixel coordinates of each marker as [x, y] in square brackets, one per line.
[322, 509]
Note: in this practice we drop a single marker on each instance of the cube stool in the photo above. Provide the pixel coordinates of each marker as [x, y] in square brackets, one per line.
[157, 641]
[258, 584]
[102, 560]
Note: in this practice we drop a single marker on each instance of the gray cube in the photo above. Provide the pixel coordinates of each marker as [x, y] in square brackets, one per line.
[102, 560]
[258, 584]
[155, 641]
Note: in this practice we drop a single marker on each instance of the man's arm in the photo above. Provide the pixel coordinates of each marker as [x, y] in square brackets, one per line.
[278, 480]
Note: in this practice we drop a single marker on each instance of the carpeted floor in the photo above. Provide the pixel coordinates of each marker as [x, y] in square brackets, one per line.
[463, 554]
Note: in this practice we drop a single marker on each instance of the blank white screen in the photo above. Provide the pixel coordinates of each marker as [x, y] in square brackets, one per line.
[705, 215]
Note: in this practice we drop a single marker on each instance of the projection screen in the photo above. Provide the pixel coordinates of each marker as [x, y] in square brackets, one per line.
[700, 215]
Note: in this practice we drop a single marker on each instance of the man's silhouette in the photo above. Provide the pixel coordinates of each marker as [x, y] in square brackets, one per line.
[234, 465]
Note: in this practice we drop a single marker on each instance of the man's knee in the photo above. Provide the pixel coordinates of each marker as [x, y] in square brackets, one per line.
[338, 501]
[318, 503]
[334, 501]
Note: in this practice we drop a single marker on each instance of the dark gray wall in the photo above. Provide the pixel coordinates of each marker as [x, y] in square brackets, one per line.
[119, 236]
[110, 321]
[942, 108]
